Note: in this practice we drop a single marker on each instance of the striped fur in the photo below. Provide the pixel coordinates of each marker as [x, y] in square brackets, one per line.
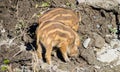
[67, 16]
[56, 34]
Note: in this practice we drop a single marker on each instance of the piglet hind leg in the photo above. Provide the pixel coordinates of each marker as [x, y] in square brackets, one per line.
[39, 52]
[63, 49]
[48, 54]
[39, 48]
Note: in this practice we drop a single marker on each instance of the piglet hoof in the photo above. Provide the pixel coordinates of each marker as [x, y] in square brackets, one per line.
[67, 60]
[49, 62]
[40, 61]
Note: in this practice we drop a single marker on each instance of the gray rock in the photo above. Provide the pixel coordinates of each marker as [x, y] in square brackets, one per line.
[108, 56]
[89, 55]
[103, 4]
[110, 53]
[99, 41]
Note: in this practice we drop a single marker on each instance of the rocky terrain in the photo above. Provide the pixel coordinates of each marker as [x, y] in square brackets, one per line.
[99, 33]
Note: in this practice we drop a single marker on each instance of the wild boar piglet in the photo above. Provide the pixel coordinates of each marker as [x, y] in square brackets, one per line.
[67, 16]
[56, 34]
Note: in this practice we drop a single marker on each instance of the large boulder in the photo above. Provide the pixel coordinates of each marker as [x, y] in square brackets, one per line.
[103, 4]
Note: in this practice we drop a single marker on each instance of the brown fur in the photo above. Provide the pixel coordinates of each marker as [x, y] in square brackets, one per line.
[53, 33]
[67, 16]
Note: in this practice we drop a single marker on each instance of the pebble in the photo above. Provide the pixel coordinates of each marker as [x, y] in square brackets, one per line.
[115, 42]
[86, 42]
[3, 30]
[99, 41]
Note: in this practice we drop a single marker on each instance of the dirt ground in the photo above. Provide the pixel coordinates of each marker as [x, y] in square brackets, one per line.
[18, 22]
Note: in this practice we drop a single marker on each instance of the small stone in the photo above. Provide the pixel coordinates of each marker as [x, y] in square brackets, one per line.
[45, 66]
[99, 41]
[107, 40]
[3, 30]
[54, 68]
[98, 26]
[63, 67]
[86, 42]
[97, 67]
[22, 47]
[115, 42]
[17, 70]
[89, 56]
